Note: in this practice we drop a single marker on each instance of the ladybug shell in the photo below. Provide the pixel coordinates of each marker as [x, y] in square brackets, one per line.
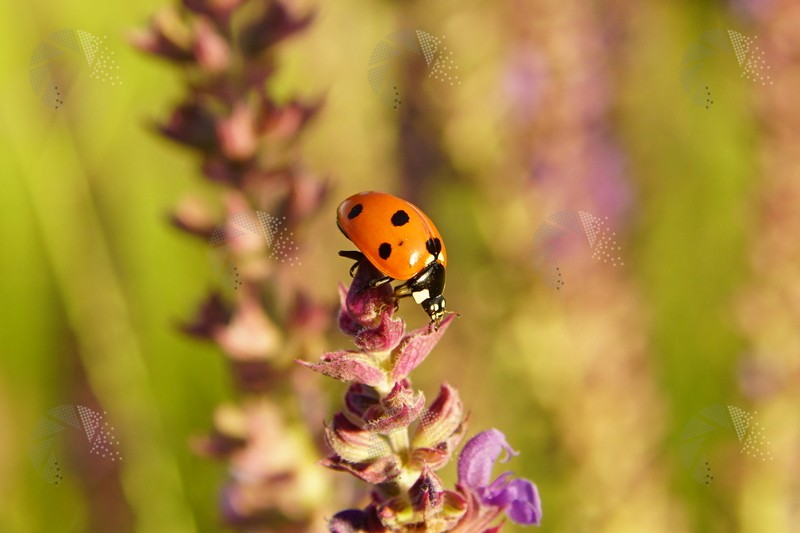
[394, 235]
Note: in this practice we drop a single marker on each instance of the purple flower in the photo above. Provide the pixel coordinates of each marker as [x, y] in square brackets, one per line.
[518, 497]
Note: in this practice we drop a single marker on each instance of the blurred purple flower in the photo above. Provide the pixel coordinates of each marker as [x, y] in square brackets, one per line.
[526, 77]
[518, 497]
[242, 134]
[754, 9]
[275, 22]
[218, 10]
[607, 187]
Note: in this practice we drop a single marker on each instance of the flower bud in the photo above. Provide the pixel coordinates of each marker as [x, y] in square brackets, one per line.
[219, 169]
[359, 398]
[167, 37]
[356, 521]
[433, 458]
[251, 335]
[281, 123]
[306, 194]
[426, 494]
[397, 410]
[364, 306]
[353, 444]
[219, 10]
[273, 24]
[440, 421]
[190, 124]
[230, 433]
[382, 338]
[210, 49]
[396, 513]
[236, 134]
[194, 216]
[211, 315]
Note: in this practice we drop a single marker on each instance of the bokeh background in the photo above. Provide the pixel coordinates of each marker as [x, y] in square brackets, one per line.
[582, 111]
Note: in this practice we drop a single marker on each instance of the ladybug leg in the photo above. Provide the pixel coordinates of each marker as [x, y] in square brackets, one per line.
[352, 254]
[355, 256]
[404, 290]
[380, 281]
[358, 257]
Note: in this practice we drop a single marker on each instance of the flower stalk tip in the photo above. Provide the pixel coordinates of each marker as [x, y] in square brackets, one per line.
[388, 438]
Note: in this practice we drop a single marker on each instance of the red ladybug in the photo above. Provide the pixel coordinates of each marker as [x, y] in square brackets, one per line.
[401, 242]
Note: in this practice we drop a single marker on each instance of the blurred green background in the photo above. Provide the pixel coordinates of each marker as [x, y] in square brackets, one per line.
[561, 106]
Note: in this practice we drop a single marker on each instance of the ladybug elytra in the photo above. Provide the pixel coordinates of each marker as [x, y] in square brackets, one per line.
[401, 242]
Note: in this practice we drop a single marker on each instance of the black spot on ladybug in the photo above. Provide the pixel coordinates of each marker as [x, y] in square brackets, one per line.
[434, 246]
[355, 211]
[385, 250]
[400, 218]
[401, 243]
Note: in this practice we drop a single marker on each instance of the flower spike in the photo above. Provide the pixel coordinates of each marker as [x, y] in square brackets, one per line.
[388, 438]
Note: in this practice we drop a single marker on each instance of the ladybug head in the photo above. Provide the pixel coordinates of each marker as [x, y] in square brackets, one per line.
[427, 287]
[434, 307]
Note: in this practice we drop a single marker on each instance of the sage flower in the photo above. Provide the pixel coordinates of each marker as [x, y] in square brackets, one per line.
[243, 138]
[388, 438]
[519, 498]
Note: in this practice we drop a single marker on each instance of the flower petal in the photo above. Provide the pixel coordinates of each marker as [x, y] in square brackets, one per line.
[384, 337]
[525, 507]
[416, 346]
[478, 457]
[431, 457]
[353, 367]
[397, 410]
[496, 493]
[383, 470]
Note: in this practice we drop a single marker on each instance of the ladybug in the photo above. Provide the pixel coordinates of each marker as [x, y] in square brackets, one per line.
[401, 242]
